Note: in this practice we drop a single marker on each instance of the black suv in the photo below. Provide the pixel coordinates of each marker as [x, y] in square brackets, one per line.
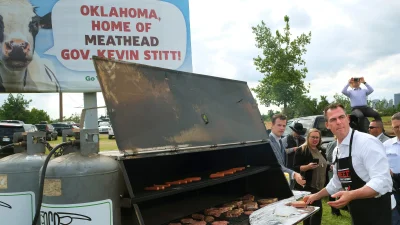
[7, 131]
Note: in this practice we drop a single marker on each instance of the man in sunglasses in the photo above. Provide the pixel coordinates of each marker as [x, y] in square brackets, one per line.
[376, 129]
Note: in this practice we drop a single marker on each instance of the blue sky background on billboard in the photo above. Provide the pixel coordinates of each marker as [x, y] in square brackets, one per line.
[349, 38]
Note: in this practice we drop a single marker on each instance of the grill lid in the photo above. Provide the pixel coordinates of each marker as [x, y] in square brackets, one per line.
[152, 108]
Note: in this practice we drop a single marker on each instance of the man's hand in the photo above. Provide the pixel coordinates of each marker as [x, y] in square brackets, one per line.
[299, 179]
[362, 80]
[309, 199]
[391, 173]
[344, 198]
[351, 80]
[331, 168]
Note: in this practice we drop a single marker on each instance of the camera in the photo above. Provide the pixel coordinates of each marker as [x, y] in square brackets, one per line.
[356, 79]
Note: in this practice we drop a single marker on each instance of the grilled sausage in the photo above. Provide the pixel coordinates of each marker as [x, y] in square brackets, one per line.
[152, 188]
[162, 186]
[217, 175]
[298, 204]
[178, 182]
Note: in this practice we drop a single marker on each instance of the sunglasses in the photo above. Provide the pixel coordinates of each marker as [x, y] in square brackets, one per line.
[371, 127]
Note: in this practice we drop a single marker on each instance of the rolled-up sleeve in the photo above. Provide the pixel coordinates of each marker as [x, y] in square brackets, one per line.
[377, 165]
[334, 184]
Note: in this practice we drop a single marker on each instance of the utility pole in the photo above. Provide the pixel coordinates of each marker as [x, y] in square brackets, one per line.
[61, 106]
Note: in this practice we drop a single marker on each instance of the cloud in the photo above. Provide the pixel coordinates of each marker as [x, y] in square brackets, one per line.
[349, 38]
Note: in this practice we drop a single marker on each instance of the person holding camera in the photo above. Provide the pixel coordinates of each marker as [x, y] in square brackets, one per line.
[310, 161]
[358, 101]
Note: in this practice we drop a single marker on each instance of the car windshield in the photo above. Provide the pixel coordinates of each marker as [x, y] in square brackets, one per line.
[9, 130]
[41, 127]
[104, 124]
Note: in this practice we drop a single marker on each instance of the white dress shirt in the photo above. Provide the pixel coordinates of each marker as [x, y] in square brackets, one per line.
[369, 162]
[392, 147]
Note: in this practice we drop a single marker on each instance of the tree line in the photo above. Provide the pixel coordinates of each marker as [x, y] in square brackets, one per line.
[17, 108]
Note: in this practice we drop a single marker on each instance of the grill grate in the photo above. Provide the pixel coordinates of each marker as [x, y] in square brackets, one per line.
[241, 220]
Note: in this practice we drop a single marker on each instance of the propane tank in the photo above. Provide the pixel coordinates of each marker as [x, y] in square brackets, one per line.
[82, 186]
[19, 175]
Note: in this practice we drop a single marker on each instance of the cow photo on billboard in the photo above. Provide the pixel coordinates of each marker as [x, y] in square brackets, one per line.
[21, 69]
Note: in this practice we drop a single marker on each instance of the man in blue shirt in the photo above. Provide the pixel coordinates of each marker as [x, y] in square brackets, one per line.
[358, 101]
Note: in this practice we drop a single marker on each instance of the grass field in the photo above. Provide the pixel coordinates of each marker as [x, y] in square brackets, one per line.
[329, 219]
[105, 143]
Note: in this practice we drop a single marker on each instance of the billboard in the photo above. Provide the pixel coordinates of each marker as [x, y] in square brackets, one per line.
[47, 45]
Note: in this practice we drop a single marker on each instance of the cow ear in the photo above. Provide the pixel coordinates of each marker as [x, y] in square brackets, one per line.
[45, 21]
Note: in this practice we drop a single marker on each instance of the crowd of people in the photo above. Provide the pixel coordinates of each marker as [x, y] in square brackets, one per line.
[360, 169]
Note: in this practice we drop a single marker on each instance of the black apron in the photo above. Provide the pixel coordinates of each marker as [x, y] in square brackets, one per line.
[369, 211]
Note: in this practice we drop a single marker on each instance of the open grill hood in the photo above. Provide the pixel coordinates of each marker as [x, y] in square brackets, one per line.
[154, 109]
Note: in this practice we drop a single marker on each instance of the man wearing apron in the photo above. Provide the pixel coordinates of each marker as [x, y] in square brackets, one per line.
[361, 176]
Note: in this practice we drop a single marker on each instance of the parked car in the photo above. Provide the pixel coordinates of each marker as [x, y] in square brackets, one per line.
[317, 121]
[12, 121]
[110, 133]
[30, 128]
[59, 127]
[7, 131]
[103, 127]
[51, 133]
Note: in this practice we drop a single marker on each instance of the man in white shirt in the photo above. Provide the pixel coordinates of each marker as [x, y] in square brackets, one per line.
[361, 168]
[376, 129]
[392, 147]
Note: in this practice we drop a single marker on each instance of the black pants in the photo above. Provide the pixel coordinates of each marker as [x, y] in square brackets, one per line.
[364, 111]
[317, 217]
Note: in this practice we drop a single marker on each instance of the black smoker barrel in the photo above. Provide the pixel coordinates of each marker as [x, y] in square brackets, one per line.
[174, 129]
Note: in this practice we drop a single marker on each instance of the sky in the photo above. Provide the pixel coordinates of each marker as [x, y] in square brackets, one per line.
[350, 38]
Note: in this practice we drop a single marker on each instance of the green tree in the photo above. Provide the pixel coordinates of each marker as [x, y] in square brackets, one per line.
[15, 108]
[37, 115]
[74, 117]
[344, 100]
[307, 106]
[322, 104]
[282, 65]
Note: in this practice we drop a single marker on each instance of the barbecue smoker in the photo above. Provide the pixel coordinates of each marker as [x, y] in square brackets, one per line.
[19, 175]
[175, 130]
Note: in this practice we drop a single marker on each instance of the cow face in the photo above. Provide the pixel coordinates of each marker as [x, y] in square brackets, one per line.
[19, 26]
